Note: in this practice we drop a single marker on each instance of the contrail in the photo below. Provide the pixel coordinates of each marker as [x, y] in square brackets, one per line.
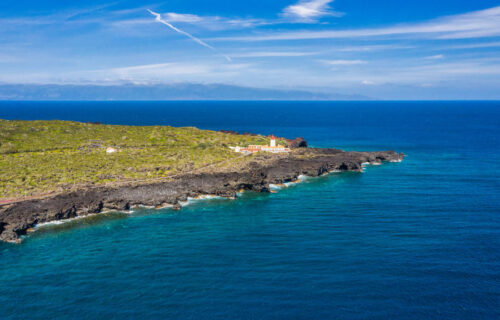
[160, 20]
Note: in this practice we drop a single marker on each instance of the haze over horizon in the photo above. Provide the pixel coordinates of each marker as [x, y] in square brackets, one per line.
[381, 50]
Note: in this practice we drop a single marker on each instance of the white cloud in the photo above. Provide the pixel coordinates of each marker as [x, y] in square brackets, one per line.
[179, 17]
[435, 73]
[159, 19]
[475, 45]
[159, 73]
[436, 57]
[374, 48]
[265, 54]
[213, 23]
[130, 18]
[310, 10]
[483, 23]
[344, 62]
[80, 16]
[169, 70]
[162, 69]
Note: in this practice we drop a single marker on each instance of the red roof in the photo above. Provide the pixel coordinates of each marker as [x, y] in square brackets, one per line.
[273, 137]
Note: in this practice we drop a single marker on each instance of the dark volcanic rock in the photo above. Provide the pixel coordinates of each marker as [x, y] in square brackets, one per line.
[297, 143]
[16, 219]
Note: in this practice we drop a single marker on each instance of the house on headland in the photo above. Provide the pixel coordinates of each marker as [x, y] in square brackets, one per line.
[272, 147]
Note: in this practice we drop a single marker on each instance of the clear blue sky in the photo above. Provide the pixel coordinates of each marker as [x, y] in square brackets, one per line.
[383, 49]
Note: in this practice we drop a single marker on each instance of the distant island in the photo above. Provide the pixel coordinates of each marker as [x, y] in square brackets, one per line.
[160, 92]
[56, 170]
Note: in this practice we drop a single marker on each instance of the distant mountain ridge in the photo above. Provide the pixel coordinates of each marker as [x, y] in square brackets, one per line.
[181, 91]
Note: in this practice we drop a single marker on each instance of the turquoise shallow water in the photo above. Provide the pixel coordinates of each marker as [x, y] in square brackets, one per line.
[413, 240]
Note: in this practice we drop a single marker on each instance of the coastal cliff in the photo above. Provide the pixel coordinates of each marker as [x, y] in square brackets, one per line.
[255, 175]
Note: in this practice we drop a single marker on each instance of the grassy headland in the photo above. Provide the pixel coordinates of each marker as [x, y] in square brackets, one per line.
[39, 157]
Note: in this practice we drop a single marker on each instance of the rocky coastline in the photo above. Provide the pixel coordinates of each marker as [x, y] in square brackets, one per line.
[257, 175]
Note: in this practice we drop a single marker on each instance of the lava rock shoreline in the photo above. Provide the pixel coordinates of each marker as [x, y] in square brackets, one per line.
[18, 218]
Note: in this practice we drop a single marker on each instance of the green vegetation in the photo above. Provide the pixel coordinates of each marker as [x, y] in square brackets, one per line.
[38, 157]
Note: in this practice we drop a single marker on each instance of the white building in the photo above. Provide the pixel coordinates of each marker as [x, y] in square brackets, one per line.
[272, 147]
[110, 150]
[273, 141]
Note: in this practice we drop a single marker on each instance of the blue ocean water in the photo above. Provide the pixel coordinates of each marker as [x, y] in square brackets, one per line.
[413, 240]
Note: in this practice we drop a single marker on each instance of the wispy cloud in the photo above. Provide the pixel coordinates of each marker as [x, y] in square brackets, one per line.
[370, 48]
[475, 45]
[212, 23]
[435, 57]
[167, 72]
[85, 15]
[58, 47]
[160, 73]
[159, 69]
[265, 54]
[310, 10]
[343, 62]
[106, 16]
[216, 22]
[305, 11]
[483, 23]
[159, 19]
[434, 73]
[182, 17]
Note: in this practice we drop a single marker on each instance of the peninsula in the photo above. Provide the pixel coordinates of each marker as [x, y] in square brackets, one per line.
[56, 170]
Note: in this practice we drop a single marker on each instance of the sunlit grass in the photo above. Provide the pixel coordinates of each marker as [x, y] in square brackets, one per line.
[51, 156]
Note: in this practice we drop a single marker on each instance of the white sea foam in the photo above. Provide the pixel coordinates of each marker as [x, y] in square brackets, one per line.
[51, 223]
[144, 206]
[205, 197]
[399, 160]
[209, 197]
[113, 211]
[365, 164]
[59, 222]
[165, 206]
[275, 187]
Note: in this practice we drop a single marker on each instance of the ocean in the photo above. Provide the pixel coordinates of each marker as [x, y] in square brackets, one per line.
[413, 240]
